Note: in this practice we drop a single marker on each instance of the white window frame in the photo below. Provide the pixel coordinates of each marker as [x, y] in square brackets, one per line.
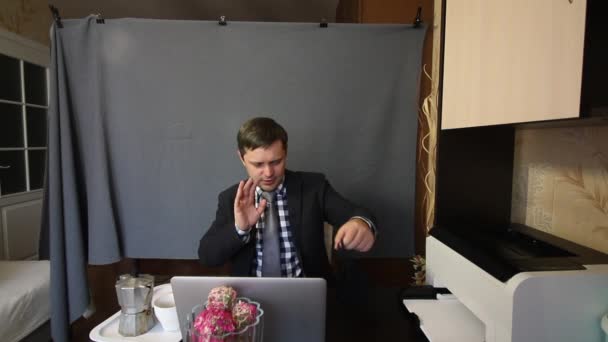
[25, 50]
[16, 46]
[20, 211]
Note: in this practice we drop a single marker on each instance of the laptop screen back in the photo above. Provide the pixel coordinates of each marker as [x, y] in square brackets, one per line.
[294, 308]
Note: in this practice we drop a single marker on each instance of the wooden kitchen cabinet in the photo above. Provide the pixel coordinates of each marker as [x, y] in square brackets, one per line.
[511, 61]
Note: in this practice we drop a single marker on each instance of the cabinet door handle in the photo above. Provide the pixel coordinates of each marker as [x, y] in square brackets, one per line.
[2, 167]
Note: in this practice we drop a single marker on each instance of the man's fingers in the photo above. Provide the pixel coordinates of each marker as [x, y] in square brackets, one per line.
[366, 245]
[247, 188]
[344, 237]
[338, 239]
[366, 242]
[239, 190]
[370, 245]
[250, 194]
[351, 238]
[239, 194]
[358, 240]
[354, 238]
[261, 207]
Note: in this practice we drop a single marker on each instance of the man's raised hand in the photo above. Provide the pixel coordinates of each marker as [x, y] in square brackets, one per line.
[245, 212]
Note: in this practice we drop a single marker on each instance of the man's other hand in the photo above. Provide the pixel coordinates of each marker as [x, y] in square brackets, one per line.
[356, 235]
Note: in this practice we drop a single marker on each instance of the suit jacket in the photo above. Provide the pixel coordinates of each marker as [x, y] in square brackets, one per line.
[311, 201]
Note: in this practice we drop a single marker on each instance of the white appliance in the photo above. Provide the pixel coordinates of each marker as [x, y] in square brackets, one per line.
[513, 285]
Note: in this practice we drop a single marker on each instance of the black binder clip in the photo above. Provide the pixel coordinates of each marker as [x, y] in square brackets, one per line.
[99, 19]
[418, 20]
[323, 23]
[222, 21]
[56, 16]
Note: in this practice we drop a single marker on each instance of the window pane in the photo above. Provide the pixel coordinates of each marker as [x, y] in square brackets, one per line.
[37, 163]
[35, 84]
[10, 81]
[36, 127]
[12, 172]
[11, 125]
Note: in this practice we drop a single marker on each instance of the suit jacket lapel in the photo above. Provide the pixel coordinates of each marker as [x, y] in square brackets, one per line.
[293, 183]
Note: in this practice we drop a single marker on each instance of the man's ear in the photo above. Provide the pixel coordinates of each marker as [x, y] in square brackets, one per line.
[238, 153]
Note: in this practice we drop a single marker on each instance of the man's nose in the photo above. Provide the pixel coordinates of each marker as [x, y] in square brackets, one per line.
[268, 171]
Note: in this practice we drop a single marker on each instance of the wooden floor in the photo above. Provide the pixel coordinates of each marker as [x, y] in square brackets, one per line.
[366, 308]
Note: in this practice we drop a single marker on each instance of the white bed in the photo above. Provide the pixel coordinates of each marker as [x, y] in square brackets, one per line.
[24, 298]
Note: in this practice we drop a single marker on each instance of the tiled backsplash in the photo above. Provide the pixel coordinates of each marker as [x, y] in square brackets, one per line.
[560, 183]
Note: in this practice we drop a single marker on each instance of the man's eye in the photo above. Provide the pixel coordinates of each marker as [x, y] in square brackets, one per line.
[257, 164]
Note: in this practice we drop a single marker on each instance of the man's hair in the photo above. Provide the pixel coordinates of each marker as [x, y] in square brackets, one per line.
[260, 132]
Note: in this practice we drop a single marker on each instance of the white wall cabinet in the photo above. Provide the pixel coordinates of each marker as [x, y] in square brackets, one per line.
[20, 217]
[511, 61]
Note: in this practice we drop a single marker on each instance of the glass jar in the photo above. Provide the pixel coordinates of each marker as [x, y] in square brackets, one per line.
[249, 333]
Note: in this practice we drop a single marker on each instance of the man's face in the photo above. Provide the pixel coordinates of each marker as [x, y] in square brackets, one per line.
[266, 165]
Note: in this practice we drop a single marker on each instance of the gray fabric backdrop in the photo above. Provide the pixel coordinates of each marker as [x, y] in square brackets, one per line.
[143, 122]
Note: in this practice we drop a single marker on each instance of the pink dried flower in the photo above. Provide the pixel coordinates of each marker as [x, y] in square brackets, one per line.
[243, 314]
[221, 297]
[214, 322]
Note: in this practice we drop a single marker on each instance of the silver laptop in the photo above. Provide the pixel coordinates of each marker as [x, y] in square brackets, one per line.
[294, 308]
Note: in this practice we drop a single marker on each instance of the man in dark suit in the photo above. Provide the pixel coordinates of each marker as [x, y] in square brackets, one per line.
[302, 202]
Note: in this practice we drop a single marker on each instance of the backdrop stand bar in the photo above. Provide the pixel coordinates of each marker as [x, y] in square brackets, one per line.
[56, 16]
[222, 21]
[418, 19]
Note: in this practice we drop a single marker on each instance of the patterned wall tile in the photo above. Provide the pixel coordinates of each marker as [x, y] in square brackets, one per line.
[560, 183]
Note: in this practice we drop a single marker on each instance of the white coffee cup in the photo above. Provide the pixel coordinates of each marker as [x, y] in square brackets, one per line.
[164, 309]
